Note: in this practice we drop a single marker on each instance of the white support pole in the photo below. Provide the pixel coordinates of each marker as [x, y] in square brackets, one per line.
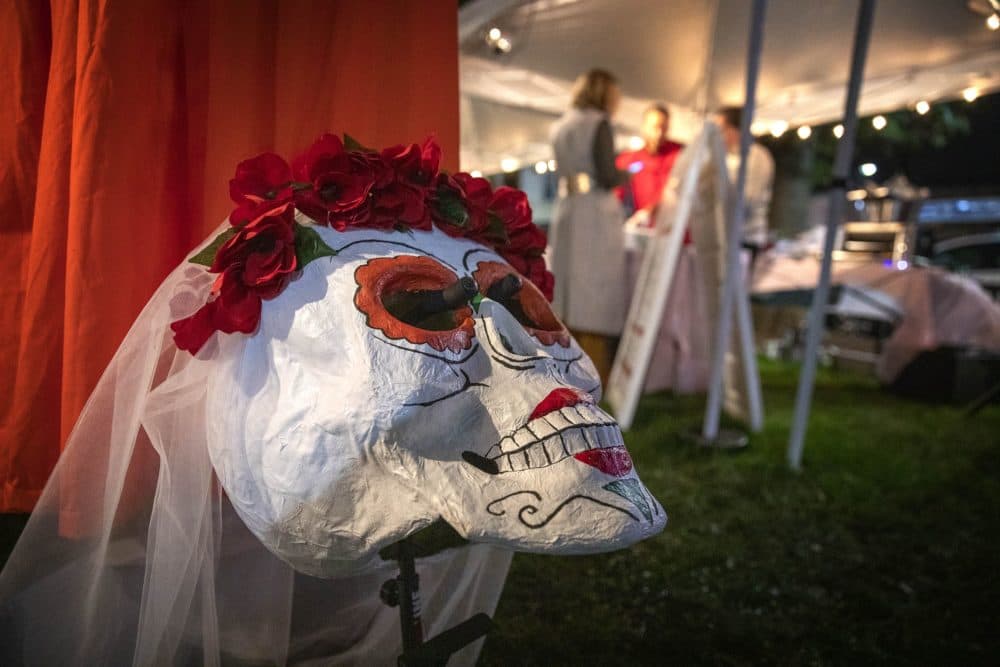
[841, 167]
[751, 376]
[734, 231]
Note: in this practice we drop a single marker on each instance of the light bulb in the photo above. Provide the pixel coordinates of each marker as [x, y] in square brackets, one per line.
[970, 93]
[804, 132]
[541, 167]
[509, 164]
[838, 130]
[879, 122]
[778, 128]
[923, 107]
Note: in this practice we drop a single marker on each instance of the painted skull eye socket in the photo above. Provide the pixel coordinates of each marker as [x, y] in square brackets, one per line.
[417, 299]
[523, 300]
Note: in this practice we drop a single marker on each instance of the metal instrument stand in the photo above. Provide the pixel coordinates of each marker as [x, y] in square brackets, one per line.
[404, 592]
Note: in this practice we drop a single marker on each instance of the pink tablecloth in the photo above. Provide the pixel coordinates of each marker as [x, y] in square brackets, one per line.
[938, 308]
[681, 357]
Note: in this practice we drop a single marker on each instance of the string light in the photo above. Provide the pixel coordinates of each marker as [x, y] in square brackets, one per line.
[838, 130]
[993, 22]
[868, 169]
[636, 142]
[541, 167]
[552, 165]
[778, 128]
[804, 132]
[758, 127]
[495, 39]
[879, 122]
[509, 164]
[475, 173]
[970, 94]
[923, 107]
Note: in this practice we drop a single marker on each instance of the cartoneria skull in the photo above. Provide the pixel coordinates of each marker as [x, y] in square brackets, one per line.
[414, 377]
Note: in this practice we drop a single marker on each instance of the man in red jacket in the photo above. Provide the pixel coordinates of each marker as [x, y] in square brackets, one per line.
[649, 167]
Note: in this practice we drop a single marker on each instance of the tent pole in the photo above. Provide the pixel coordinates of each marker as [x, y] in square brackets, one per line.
[841, 169]
[734, 233]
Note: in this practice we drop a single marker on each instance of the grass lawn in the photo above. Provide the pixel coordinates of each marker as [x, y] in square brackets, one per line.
[883, 550]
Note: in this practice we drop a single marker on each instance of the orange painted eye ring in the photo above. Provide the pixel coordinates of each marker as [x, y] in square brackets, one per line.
[534, 312]
[381, 277]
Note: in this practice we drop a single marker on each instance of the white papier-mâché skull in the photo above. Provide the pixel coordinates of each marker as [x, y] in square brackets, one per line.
[344, 425]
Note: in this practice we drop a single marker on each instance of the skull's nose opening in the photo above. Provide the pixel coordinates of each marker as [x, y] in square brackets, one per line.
[563, 397]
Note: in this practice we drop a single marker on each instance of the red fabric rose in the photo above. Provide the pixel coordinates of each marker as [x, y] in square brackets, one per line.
[415, 164]
[255, 263]
[400, 203]
[512, 208]
[403, 199]
[341, 181]
[478, 194]
[448, 205]
[260, 184]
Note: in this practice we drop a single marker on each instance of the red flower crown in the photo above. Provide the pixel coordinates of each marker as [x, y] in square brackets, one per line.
[344, 185]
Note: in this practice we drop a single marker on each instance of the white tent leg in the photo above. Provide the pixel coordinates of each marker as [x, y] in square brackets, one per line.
[734, 233]
[751, 376]
[841, 167]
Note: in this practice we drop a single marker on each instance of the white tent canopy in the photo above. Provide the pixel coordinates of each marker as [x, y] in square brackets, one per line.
[691, 53]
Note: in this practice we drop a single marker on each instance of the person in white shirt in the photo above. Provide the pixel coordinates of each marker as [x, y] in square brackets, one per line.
[759, 178]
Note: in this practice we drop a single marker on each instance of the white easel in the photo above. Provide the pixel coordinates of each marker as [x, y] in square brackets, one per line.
[704, 157]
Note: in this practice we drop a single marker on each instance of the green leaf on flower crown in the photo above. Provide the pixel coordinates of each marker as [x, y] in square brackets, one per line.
[309, 245]
[476, 300]
[451, 208]
[207, 254]
[352, 144]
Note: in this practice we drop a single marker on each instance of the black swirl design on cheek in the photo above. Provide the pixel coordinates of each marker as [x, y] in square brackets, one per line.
[529, 510]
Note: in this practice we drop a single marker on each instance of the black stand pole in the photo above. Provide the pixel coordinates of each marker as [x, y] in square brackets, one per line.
[404, 591]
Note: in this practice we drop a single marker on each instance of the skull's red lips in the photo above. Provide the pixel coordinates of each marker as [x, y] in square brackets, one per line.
[611, 460]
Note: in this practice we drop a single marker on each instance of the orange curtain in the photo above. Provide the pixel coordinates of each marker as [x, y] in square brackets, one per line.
[120, 126]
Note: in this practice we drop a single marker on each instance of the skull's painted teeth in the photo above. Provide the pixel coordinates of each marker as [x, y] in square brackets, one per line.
[542, 428]
[549, 439]
[558, 420]
[517, 461]
[523, 438]
[537, 457]
[503, 464]
[508, 445]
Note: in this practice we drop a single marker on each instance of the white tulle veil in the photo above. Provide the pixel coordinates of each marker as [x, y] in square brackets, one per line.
[133, 555]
